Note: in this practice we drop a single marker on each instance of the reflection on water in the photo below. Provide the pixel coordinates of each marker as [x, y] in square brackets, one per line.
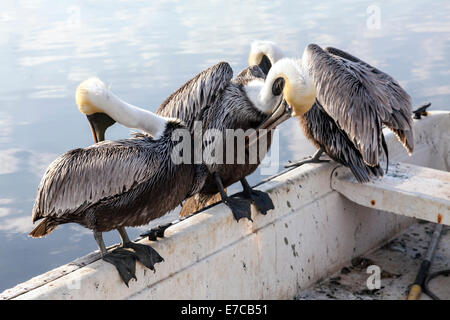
[144, 51]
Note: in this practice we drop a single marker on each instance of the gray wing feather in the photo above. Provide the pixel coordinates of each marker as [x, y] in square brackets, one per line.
[360, 99]
[398, 103]
[189, 101]
[82, 177]
[325, 133]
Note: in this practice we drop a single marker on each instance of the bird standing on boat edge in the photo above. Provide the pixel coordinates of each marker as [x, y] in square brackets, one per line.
[115, 184]
[233, 103]
[353, 101]
[219, 102]
[129, 182]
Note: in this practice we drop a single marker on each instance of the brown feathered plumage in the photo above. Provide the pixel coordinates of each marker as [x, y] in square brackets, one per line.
[115, 184]
[218, 102]
[353, 101]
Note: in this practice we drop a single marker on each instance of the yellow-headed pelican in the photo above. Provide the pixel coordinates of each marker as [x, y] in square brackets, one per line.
[219, 102]
[116, 184]
[353, 101]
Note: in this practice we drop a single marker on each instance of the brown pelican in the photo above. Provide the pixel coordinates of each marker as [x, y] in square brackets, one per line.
[353, 101]
[219, 102]
[115, 184]
[242, 104]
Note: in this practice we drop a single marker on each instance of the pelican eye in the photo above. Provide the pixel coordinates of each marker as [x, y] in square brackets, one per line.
[277, 87]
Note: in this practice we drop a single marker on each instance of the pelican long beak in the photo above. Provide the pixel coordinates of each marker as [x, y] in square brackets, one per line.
[278, 116]
[99, 122]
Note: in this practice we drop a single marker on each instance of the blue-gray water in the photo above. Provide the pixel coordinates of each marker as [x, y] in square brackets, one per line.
[144, 51]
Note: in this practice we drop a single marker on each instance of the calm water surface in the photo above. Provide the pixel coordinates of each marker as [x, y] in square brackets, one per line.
[144, 51]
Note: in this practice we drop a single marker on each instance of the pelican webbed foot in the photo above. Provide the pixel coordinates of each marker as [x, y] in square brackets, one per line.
[314, 159]
[145, 254]
[125, 263]
[124, 260]
[239, 207]
[260, 199]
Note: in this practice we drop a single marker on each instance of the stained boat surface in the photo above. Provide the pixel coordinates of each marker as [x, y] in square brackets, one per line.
[313, 233]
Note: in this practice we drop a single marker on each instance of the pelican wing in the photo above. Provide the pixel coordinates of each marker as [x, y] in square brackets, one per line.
[189, 102]
[399, 120]
[82, 177]
[326, 134]
[249, 74]
[360, 99]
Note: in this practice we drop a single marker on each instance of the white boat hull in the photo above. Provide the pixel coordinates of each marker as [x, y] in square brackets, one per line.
[312, 232]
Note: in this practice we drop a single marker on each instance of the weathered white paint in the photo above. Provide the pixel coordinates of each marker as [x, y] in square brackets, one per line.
[406, 189]
[312, 232]
[399, 261]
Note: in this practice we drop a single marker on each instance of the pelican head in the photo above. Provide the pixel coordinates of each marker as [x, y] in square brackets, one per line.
[264, 54]
[298, 90]
[97, 117]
